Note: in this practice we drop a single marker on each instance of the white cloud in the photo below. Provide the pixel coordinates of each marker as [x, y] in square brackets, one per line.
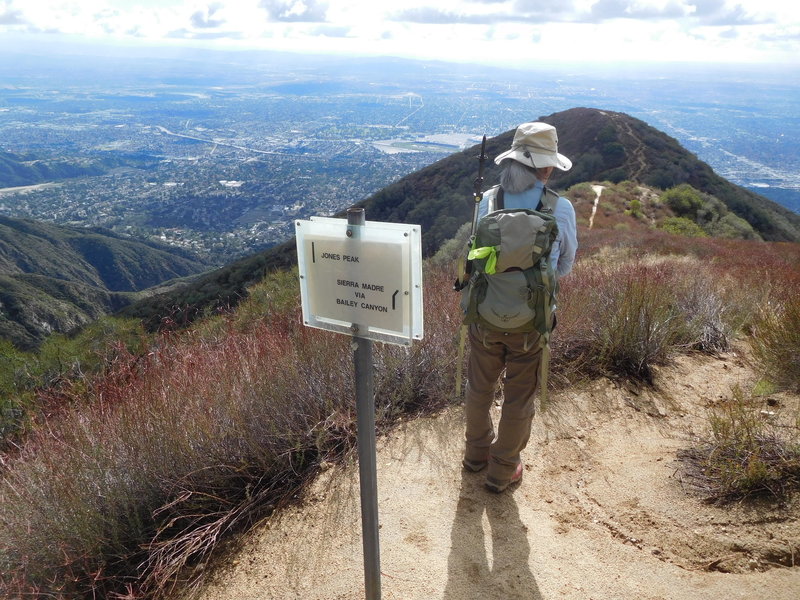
[9, 14]
[207, 18]
[634, 9]
[296, 11]
[450, 29]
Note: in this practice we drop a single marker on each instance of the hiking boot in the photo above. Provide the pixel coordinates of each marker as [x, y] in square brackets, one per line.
[474, 466]
[497, 488]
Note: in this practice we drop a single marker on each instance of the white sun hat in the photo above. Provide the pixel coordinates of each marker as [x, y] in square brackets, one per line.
[536, 145]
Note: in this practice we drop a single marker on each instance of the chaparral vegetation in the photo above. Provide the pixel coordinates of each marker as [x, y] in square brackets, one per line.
[129, 457]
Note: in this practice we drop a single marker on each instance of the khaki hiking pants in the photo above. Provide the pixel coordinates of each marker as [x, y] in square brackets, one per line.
[491, 352]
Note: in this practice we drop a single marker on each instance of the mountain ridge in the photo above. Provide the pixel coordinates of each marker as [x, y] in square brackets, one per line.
[658, 160]
[55, 277]
[603, 145]
[21, 170]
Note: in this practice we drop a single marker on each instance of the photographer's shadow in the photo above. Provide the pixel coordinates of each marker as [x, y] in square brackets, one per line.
[497, 568]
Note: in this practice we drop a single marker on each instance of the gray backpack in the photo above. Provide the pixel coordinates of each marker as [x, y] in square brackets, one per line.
[512, 286]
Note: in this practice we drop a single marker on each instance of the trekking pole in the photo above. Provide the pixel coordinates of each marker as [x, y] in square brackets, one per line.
[465, 266]
[477, 187]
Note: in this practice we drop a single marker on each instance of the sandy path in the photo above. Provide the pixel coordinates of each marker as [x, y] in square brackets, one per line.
[598, 190]
[601, 513]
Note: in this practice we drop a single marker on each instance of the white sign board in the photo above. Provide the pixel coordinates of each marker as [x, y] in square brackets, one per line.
[364, 280]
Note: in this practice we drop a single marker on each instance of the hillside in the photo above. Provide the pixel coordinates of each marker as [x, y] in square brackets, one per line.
[663, 467]
[54, 278]
[613, 146]
[20, 170]
[603, 145]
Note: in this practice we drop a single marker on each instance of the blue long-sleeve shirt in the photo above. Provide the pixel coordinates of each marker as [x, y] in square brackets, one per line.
[562, 255]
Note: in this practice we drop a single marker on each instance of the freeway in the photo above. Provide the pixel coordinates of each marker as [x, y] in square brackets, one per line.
[216, 143]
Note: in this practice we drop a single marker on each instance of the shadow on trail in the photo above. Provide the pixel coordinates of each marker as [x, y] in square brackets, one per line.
[487, 570]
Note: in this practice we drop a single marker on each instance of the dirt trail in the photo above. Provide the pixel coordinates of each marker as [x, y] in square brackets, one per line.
[601, 513]
[598, 190]
[639, 147]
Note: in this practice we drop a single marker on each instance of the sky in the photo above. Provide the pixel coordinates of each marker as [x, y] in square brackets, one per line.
[510, 32]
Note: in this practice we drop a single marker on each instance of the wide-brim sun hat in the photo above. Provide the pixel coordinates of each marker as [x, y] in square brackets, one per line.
[536, 145]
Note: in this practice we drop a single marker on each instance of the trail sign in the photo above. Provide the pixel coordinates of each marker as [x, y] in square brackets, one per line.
[363, 280]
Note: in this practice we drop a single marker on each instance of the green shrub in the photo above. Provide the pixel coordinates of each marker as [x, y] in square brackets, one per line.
[58, 369]
[14, 390]
[709, 213]
[89, 350]
[450, 252]
[684, 200]
[277, 294]
[683, 226]
[635, 208]
[732, 227]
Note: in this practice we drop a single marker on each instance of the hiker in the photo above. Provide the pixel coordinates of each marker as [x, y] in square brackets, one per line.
[527, 167]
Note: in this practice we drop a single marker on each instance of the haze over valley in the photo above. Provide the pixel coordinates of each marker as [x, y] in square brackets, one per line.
[218, 152]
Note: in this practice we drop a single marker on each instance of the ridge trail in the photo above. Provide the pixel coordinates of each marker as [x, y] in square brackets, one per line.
[601, 512]
[638, 148]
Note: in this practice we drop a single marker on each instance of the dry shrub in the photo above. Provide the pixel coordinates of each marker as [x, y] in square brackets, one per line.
[126, 489]
[624, 317]
[776, 338]
[122, 486]
[130, 490]
[751, 451]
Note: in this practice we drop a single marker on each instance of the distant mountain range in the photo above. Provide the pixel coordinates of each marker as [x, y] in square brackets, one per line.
[55, 278]
[603, 145]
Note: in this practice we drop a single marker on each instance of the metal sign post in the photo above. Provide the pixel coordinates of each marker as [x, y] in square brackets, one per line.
[364, 279]
[367, 467]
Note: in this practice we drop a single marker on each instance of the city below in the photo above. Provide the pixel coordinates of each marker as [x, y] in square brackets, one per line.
[221, 161]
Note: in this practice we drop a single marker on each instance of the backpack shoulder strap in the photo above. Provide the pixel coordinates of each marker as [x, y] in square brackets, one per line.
[547, 203]
[494, 199]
